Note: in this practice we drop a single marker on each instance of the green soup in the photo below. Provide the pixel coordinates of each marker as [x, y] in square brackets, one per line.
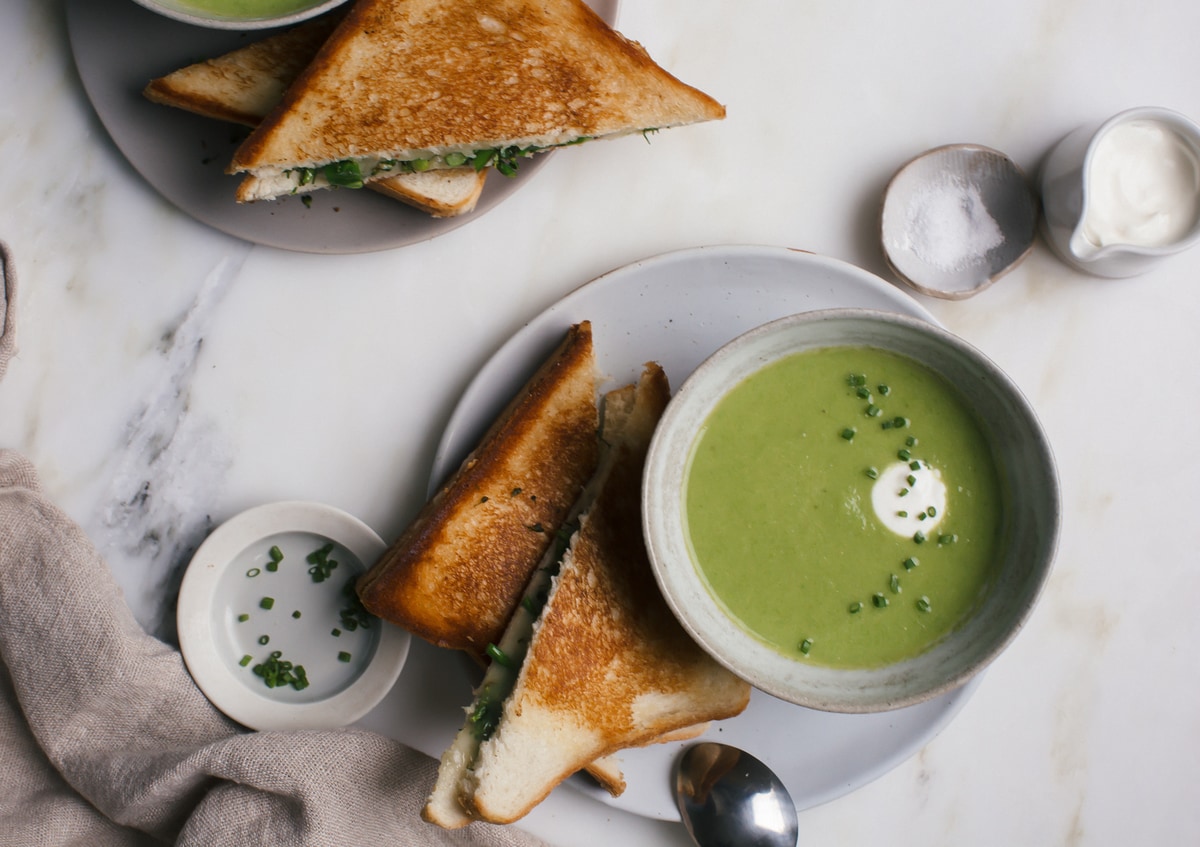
[249, 8]
[843, 506]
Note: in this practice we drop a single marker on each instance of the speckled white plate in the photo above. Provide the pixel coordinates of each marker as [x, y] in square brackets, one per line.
[120, 46]
[678, 309]
[238, 605]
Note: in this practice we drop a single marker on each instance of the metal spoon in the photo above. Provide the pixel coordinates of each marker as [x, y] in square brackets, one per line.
[728, 798]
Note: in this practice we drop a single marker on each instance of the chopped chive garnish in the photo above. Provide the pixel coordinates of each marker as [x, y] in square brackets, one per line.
[899, 422]
[902, 514]
[879, 600]
[873, 473]
[911, 480]
[343, 656]
[264, 639]
[910, 441]
[948, 538]
[884, 389]
[253, 572]
[855, 607]
[335, 632]
[247, 659]
[863, 392]
[858, 379]
[296, 614]
[848, 433]
[272, 567]
[499, 656]
[266, 603]
[894, 584]
[242, 618]
[919, 537]
[904, 455]
[806, 646]
[916, 466]
[922, 516]
[923, 605]
[276, 554]
[932, 511]
[887, 425]
[911, 562]
[874, 411]
[277, 671]
[321, 565]
[903, 492]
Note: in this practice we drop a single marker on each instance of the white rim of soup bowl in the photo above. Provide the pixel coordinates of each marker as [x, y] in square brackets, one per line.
[180, 12]
[951, 661]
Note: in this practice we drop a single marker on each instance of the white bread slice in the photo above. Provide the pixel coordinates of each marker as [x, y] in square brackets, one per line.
[244, 85]
[425, 83]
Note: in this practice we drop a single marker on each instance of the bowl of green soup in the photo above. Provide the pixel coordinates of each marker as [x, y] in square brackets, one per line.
[240, 14]
[852, 510]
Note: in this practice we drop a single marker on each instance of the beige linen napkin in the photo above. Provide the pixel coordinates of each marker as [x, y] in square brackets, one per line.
[105, 740]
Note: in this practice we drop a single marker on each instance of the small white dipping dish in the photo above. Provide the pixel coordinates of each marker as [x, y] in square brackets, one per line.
[246, 14]
[1029, 525]
[237, 601]
[957, 218]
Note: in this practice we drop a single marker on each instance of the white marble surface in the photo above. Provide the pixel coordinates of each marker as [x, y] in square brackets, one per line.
[170, 376]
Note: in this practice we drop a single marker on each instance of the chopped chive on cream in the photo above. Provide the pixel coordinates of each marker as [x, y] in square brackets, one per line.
[902, 514]
[916, 466]
[932, 511]
[911, 480]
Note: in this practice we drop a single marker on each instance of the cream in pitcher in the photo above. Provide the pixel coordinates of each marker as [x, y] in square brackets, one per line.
[1123, 195]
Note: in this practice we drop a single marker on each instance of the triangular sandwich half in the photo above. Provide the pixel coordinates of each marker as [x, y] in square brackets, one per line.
[604, 666]
[456, 574]
[244, 85]
[423, 84]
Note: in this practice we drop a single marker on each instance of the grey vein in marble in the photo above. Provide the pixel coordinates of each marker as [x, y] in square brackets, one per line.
[170, 466]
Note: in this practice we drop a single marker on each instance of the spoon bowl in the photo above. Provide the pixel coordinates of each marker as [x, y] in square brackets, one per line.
[728, 798]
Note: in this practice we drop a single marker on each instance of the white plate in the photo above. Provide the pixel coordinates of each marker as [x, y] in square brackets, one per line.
[223, 618]
[120, 46]
[678, 309]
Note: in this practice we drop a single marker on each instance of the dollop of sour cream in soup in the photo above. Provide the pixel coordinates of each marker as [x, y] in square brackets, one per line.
[909, 497]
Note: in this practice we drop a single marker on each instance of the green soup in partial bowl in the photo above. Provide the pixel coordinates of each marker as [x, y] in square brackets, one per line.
[852, 510]
[240, 14]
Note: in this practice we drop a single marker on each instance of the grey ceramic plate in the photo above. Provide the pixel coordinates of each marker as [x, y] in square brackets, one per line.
[120, 46]
[679, 308]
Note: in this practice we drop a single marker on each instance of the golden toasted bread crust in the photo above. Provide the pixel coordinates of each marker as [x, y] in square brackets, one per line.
[609, 666]
[455, 575]
[400, 78]
[244, 85]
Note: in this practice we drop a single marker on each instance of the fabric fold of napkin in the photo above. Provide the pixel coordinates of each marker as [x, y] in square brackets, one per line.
[105, 739]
